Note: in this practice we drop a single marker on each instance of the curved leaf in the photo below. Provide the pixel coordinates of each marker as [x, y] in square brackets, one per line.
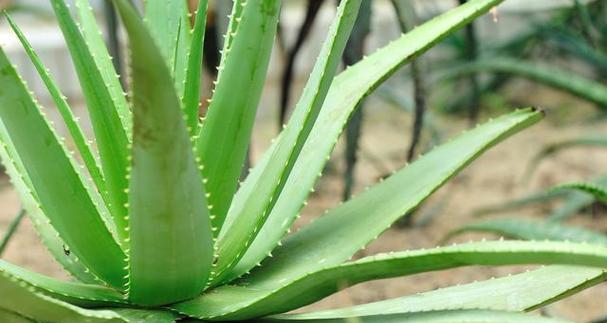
[532, 230]
[223, 140]
[521, 292]
[599, 192]
[446, 316]
[44, 162]
[254, 298]
[347, 90]
[248, 214]
[170, 248]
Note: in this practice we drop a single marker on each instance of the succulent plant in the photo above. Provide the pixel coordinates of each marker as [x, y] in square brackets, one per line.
[151, 221]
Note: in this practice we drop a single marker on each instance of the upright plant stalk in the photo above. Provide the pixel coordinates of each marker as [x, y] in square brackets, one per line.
[471, 54]
[10, 231]
[353, 53]
[407, 20]
[312, 8]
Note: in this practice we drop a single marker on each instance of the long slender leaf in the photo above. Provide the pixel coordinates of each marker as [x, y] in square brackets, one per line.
[45, 162]
[446, 316]
[112, 139]
[169, 25]
[534, 198]
[191, 92]
[275, 294]
[532, 230]
[599, 192]
[224, 137]
[522, 292]
[170, 247]
[60, 101]
[248, 215]
[551, 76]
[345, 93]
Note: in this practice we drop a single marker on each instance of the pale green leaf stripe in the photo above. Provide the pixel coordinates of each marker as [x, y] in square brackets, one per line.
[247, 215]
[347, 90]
[376, 209]
[170, 247]
[551, 76]
[50, 238]
[446, 316]
[68, 206]
[532, 230]
[224, 137]
[26, 301]
[169, 25]
[599, 192]
[96, 44]
[254, 298]
[112, 140]
[74, 129]
[191, 92]
[521, 292]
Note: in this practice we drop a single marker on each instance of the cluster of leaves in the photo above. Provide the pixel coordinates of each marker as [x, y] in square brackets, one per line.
[153, 226]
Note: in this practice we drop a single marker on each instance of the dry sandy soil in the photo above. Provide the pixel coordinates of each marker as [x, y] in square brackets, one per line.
[496, 176]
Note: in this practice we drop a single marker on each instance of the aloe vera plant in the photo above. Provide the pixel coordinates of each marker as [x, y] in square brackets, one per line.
[152, 224]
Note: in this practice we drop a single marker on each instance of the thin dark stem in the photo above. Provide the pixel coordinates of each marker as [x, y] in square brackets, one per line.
[313, 6]
[10, 231]
[471, 54]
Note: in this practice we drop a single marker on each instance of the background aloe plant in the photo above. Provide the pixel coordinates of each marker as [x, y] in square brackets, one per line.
[153, 226]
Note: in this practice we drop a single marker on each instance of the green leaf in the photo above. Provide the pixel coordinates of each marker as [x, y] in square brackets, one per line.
[531, 199]
[112, 140]
[345, 93]
[522, 292]
[27, 302]
[551, 76]
[248, 214]
[532, 230]
[446, 316]
[224, 137]
[191, 94]
[60, 101]
[45, 163]
[48, 235]
[599, 192]
[261, 296]
[169, 24]
[170, 247]
[97, 47]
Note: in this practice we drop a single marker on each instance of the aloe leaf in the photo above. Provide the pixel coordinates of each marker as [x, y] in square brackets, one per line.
[532, 230]
[45, 162]
[112, 140]
[345, 93]
[75, 293]
[170, 248]
[25, 301]
[248, 215]
[521, 292]
[258, 296]
[445, 316]
[563, 80]
[169, 25]
[48, 235]
[224, 137]
[598, 192]
[191, 94]
[591, 140]
[233, 21]
[531, 199]
[60, 101]
[96, 44]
